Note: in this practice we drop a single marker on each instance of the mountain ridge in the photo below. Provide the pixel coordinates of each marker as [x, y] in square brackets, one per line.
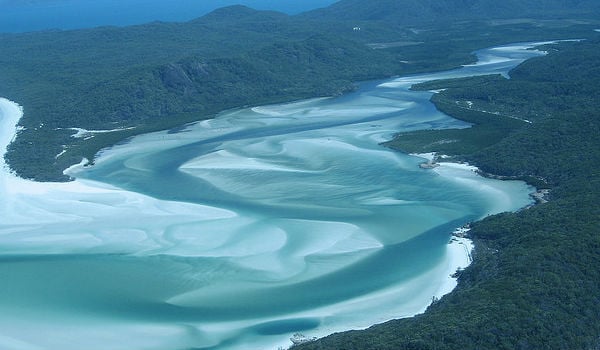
[240, 12]
[415, 11]
[137, 75]
[534, 280]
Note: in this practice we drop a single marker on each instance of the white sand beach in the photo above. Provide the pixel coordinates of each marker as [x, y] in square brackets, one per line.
[74, 205]
[277, 219]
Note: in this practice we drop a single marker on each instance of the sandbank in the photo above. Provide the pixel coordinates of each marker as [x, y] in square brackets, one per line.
[256, 246]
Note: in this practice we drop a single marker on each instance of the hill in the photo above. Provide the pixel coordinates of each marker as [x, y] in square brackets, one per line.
[533, 282]
[160, 75]
[419, 11]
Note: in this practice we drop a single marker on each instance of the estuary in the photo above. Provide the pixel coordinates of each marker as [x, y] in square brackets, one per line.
[236, 232]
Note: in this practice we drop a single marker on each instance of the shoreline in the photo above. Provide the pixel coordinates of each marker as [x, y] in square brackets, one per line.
[11, 114]
[456, 256]
[457, 252]
[540, 195]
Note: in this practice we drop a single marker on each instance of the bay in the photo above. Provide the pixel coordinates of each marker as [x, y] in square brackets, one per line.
[236, 232]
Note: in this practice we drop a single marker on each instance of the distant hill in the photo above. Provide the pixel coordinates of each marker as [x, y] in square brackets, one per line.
[240, 13]
[160, 75]
[534, 280]
[418, 11]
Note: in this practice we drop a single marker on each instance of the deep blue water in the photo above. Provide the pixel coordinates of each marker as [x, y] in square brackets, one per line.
[24, 16]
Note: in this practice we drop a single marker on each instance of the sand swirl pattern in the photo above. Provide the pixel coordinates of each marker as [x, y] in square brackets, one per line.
[236, 232]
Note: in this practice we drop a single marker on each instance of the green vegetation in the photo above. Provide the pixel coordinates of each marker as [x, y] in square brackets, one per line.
[488, 127]
[162, 75]
[534, 280]
[409, 12]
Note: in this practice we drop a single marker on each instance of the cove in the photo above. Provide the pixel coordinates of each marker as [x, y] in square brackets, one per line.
[236, 232]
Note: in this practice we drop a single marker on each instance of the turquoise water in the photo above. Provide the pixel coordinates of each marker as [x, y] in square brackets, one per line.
[236, 232]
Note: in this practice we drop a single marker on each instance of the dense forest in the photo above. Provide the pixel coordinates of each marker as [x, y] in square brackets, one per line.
[447, 11]
[534, 280]
[161, 75]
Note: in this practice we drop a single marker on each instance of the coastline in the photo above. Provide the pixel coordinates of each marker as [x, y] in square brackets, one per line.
[11, 114]
[457, 252]
[457, 257]
[460, 246]
[432, 161]
[508, 287]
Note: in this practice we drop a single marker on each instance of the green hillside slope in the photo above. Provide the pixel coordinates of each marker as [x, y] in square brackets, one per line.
[534, 280]
[420, 11]
[161, 75]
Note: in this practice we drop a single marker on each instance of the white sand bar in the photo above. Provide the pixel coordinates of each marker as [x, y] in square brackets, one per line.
[243, 229]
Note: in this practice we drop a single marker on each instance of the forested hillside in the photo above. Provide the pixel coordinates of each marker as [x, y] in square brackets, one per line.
[534, 280]
[419, 11]
[161, 75]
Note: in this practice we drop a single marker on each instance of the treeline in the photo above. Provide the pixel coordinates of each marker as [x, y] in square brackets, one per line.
[447, 11]
[162, 75]
[534, 280]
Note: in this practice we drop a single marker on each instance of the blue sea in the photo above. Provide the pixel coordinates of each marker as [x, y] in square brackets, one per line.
[35, 15]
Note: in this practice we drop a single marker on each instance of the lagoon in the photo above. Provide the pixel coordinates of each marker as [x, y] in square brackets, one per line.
[236, 232]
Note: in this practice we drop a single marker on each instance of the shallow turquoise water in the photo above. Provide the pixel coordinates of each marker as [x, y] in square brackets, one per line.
[236, 232]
